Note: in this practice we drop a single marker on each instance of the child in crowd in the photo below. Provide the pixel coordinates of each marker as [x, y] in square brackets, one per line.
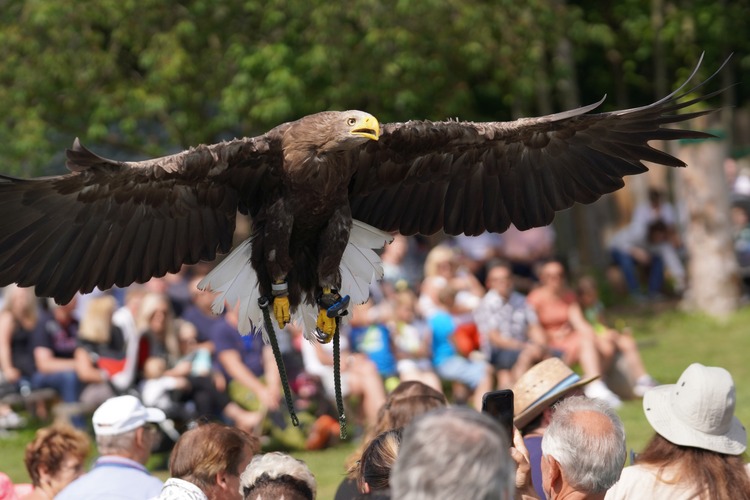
[411, 339]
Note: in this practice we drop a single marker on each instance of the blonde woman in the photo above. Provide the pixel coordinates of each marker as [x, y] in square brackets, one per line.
[101, 353]
[442, 269]
[19, 320]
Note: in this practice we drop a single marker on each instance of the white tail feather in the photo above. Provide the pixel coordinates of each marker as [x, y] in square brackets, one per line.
[235, 282]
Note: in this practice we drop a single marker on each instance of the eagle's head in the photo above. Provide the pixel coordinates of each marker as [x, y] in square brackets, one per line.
[332, 131]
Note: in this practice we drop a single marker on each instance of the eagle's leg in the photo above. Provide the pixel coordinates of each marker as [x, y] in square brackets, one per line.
[278, 231]
[331, 245]
[332, 307]
[280, 292]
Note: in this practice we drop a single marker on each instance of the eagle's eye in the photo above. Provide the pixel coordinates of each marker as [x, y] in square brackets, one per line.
[351, 121]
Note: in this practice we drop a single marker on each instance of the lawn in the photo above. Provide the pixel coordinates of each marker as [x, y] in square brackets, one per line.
[670, 341]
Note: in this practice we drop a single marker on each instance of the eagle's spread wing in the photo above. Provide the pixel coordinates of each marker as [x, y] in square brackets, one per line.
[423, 177]
[114, 223]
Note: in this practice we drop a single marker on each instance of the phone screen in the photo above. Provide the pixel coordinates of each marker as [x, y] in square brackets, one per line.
[499, 405]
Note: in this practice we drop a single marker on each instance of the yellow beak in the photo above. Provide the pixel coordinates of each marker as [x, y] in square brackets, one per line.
[367, 127]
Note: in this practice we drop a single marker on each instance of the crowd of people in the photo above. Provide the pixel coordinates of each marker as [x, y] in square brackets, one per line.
[424, 449]
[451, 328]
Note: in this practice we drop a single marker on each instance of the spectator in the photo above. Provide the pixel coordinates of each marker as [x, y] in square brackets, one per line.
[10, 491]
[249, 368]
[453, 453]
[697, 450]
[100, 358]
[610, 341]
[53, 347]
[441, 270]
[583, 450]
[449, 364]
[125, 435]
[406, 402]
[55, 458]
[525, 250]
[649, 240]
[508, 327]
[369, 335]
[126, 316]
[412, 341]
[19, 319]
[359, 376]
[374, 467]
[741, 233]
[207, 461]
[160, 376]
[200, 313]
[277, 475]
[567, 330]
[535, 393]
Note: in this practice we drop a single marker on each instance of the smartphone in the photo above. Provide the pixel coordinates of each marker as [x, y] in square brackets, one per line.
[499, 405]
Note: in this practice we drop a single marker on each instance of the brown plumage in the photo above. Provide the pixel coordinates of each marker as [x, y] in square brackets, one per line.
[114, 223]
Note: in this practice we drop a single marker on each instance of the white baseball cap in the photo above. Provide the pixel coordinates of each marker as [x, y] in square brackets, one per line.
[698, 411]
[122, 414]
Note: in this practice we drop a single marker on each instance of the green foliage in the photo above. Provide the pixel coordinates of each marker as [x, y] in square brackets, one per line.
[147, 76]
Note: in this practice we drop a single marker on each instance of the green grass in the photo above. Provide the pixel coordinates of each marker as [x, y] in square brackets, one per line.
[669, 340]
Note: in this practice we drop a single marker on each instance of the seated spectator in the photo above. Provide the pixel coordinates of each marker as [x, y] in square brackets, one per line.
[697, 450]
[441, 270]
[449, 364]
[610, 341]
[453, 453]
[535, 393]
[508, 327]
[249, 369]
[567, 330]
[525, 250]
[125, 435]
[19, 319]
[277, 475]
[369, 335]
[206, 462]
[100, 358]
[741, 233]
[650, 240]
[55, 458]
[406, 402]
[374, 467]
[359, 376]
[200, 313]
[583, 450]
[53, 347]
[411, 340]
[10, 491]
[160, 375]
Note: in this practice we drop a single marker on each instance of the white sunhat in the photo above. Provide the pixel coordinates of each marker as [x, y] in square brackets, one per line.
[698, 411]
[122, 414]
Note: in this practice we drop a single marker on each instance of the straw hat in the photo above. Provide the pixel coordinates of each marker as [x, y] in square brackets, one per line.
[697, 411]
[543, 384]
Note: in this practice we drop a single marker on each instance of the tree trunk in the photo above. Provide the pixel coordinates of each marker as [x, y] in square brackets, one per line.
[712, 268]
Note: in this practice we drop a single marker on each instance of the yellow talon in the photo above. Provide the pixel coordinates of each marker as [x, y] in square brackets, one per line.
[326, 327]
[281, 310]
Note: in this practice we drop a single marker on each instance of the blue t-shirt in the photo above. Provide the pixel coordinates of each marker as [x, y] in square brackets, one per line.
[225, 337]
[443, 326]
[202, 322]
[375, 342]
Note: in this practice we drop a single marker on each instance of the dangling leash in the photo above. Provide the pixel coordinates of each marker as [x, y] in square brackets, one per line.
[337, 381]
[263, 303]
